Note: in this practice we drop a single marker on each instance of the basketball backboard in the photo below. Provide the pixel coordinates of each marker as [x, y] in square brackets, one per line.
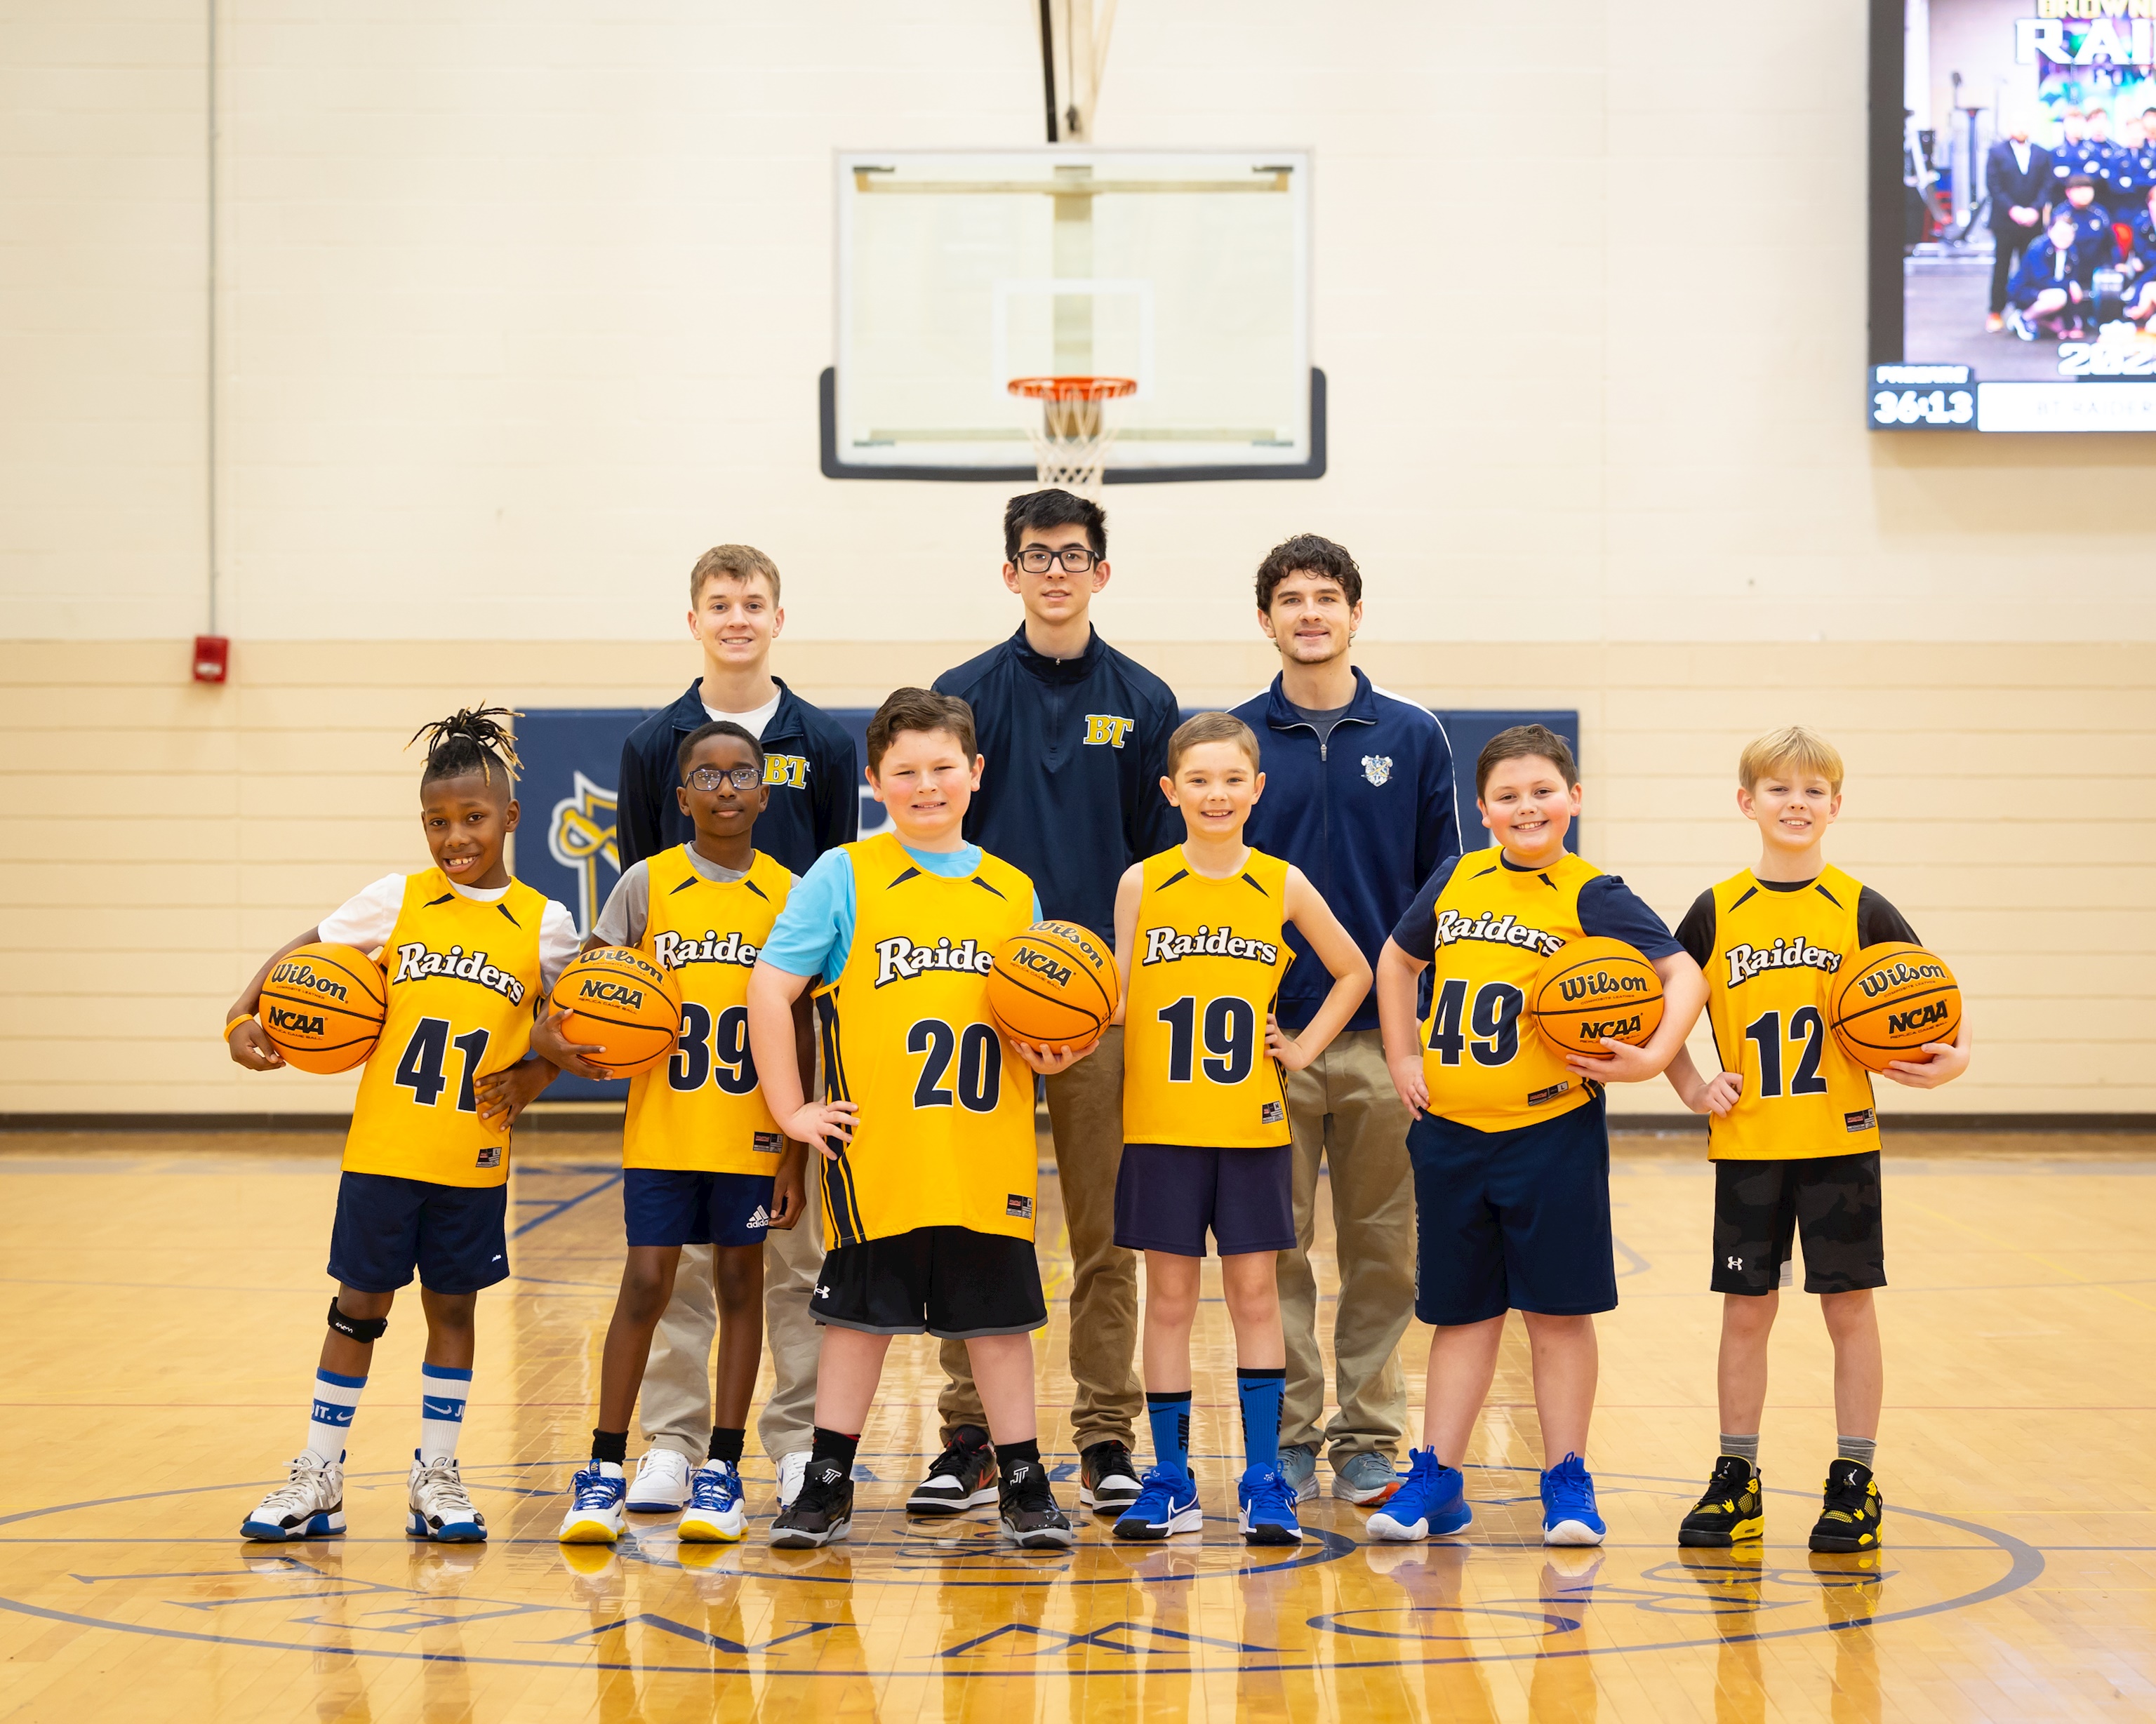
[1188, 271]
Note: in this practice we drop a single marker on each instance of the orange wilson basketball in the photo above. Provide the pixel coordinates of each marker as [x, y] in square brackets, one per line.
[1055, 986]
[1896, 997]
[1594, 988]
[323, 1006]
[617, 997]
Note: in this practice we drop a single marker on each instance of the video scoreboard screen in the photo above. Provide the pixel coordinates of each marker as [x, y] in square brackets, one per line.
[2013, 238]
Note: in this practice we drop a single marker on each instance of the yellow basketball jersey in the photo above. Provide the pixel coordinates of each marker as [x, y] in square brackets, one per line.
[1209, 958]
[464, 979]
[1486, 1064]
[945, 1132]
[1769, 984]
[704, 1111]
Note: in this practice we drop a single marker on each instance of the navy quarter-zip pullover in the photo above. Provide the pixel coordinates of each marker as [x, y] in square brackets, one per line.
[1075, 752]
[1367, 814]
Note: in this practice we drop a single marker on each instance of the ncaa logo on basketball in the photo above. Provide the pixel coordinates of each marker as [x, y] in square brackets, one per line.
[1378, 768]
[1045, 965]
[1107, 729]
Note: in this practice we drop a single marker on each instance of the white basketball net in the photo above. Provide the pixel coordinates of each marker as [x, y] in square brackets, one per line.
[1071, 445]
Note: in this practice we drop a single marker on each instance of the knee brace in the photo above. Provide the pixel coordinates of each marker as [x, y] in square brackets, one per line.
[367, 1329]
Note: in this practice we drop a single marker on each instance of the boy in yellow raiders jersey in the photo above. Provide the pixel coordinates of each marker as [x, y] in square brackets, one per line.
[1200, 937]
[928, 1133]
[1509, 1147]
[468, 952]
[1793, 1134]
[703, 1163]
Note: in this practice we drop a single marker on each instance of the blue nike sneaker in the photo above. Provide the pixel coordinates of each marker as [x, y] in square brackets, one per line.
[1267, 1502]
[1167, 1504]
[1434, 1500]
[1568, 1516]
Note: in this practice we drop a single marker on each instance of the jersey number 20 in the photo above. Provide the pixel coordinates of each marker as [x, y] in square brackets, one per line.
[980, 1061]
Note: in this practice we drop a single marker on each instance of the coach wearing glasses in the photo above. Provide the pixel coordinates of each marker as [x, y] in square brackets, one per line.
[1075, 736]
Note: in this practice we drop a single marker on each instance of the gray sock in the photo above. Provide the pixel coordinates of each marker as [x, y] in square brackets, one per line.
[1859, 1450]
[1745, 1449]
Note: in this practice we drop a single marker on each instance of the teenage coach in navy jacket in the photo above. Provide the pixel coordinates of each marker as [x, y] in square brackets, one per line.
[1359, 795]
[1074, 737]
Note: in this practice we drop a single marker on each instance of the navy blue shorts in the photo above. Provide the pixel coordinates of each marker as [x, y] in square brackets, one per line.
[1512, 1220]
[1169, 1194]
[664, 1206]
[455, 1236]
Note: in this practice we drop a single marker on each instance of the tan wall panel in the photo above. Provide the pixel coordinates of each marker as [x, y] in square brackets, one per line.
[262, 815]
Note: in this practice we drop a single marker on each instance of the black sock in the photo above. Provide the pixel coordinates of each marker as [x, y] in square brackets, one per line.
[610, 1445]
[1010, 1455]
[835, 1447]
[727, 1446]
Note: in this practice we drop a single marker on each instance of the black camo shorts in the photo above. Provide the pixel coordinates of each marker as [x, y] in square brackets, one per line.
[1832, 1201]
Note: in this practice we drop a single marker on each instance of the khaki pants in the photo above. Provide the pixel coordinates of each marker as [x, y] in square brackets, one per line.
[675, 1409]
[1085, 1112]
[1343, 1108]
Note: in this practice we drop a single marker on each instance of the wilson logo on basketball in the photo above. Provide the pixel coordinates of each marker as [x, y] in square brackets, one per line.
[1045, 965]
[898, 959]
[674, 951]
[305, 976]
[1601, 981]
[1746, 961]
[415, 963]
[1164, 945]
[1896, 974]
[1916, 1017]
[293, 1022]
[613, 994]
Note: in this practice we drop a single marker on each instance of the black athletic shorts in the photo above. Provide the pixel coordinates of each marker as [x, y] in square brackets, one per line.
[949, 1281]
[1833, 1201]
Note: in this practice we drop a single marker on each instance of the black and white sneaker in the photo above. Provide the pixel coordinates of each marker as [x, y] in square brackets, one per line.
[821, 1513]
[1031, 1519]
[963, 1476]
[1107, 1481]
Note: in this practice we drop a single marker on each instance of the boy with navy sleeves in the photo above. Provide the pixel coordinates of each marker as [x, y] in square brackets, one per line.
[1360, 797]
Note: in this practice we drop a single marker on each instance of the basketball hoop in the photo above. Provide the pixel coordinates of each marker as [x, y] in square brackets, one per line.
[1073, 440]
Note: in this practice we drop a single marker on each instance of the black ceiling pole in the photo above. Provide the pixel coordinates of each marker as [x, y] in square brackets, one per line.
[1048, 66]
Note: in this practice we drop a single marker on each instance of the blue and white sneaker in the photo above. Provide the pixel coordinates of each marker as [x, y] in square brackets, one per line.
[1267, 1502]
[1433, 1502]
[599, 1495]
[1568, 1516]
[442, 1509]
[1167, 1504]
[715, 1514]
[309, 1504]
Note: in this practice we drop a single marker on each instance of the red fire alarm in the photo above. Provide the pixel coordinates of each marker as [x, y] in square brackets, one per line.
[213, 657]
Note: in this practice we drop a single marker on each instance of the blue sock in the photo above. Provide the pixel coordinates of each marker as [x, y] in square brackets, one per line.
[336, 1398]
[1169, 1415]
[1259, 1391]
[443, 1392]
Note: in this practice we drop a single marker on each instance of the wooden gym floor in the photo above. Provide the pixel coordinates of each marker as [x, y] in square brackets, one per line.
[160, 1308]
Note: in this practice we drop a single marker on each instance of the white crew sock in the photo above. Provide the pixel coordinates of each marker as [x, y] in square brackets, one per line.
[336, 1398]
[443, 1393]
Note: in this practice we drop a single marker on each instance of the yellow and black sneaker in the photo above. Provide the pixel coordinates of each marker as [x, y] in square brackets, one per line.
[1849, 1519]
[1730, 1511]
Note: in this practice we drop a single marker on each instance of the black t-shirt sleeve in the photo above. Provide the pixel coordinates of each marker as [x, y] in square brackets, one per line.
[1878, 921]
[1415, 933]
[1611, 909]
[1695, 932]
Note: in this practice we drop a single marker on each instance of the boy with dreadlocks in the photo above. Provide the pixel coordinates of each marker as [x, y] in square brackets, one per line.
[470, 952]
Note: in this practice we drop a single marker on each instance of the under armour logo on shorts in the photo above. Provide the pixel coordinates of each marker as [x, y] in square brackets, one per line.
[1736, 1263]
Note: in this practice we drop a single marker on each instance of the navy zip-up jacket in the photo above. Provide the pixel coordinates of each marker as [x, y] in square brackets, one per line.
[1365, 815]
[1075, 752]
[809, 764]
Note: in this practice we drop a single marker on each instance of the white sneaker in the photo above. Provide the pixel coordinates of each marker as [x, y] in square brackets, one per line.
[598, 1496]
[309, 1504]
[441, 1507]
[714, 1514]
[793, 1469]
[662, 1483]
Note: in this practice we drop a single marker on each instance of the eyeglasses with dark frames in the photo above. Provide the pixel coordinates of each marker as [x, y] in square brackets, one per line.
[1038, 559]
[711, 778]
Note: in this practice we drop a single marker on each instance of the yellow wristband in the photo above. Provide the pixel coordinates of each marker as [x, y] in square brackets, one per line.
[243, 1018]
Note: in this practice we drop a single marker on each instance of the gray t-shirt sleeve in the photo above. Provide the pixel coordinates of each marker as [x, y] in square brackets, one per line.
[627, 908]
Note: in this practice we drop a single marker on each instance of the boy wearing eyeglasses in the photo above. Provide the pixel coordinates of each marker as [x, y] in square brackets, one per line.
[1074, 735]
[703, 1160]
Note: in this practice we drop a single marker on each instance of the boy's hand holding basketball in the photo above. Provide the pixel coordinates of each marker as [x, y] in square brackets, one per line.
[813, 1122]
[550, 1044]
[1049, 1061]
[252, 1048]
[503, 1094]
[1625, 1064]
[1942, 1063]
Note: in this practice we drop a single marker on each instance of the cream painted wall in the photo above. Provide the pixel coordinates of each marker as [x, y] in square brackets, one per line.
[523, 309]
